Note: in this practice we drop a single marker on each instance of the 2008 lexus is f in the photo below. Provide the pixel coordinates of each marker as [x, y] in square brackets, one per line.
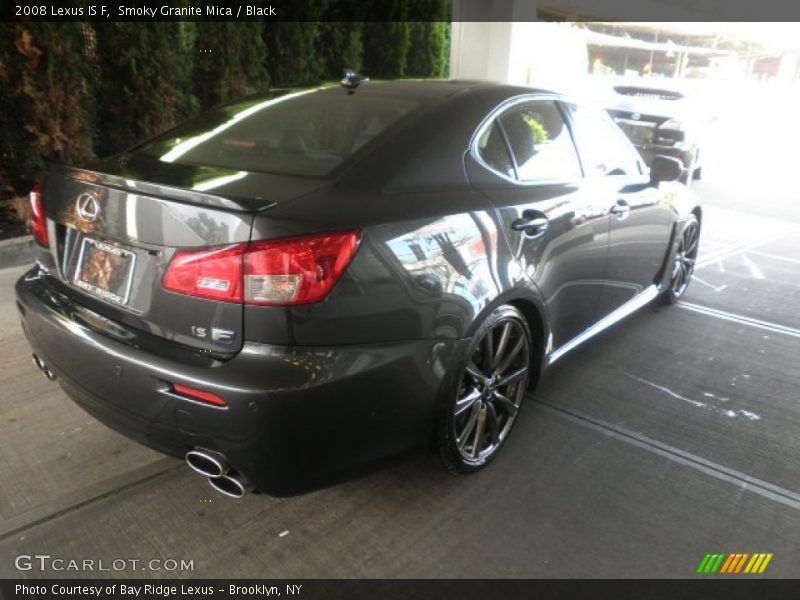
[295, 286]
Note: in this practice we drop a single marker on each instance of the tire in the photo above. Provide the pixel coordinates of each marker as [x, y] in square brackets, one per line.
[683, 261]
[482, 403]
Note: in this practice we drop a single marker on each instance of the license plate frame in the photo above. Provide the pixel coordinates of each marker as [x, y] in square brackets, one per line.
[99, 257]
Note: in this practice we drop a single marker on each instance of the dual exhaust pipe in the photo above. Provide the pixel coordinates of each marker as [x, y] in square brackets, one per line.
[42, 366]
[213, 465]
[220, 473]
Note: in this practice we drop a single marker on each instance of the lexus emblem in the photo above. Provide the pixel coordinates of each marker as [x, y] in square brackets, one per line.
[636, 116]
[87, 207]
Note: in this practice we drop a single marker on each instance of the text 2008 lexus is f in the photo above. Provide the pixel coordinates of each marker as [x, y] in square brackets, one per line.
[295, 286]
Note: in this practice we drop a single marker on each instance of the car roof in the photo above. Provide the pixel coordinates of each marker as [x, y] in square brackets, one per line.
[433, 90]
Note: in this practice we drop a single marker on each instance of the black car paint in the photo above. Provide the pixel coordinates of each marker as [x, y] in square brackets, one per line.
[322, 390]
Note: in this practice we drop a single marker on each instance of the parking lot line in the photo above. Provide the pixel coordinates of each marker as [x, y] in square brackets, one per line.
[721, 314]
[746, 482]
[775, 256]
[728, 252]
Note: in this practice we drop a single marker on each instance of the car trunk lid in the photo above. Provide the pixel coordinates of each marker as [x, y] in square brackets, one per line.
[112, 236]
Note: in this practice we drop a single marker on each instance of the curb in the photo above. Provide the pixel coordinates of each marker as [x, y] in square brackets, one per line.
[17, 251]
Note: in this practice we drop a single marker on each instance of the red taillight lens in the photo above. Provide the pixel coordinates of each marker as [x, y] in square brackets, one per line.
[195, 394]
[38, 220]
[283, 272]
[213, 273]
[297, 270]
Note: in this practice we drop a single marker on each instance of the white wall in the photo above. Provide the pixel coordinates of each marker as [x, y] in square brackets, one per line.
[549, 55]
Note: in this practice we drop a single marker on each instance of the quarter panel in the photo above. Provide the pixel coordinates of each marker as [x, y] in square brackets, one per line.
[428, 263]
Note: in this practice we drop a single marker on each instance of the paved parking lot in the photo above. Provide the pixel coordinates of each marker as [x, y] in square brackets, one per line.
[673, 435]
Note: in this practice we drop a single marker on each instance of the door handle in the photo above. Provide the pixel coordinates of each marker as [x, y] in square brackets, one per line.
[621, 209]
[531, 227]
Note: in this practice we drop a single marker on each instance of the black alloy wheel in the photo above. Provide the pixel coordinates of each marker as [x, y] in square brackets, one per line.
[491, 387]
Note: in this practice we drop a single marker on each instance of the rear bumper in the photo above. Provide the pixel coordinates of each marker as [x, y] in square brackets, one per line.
[297, 418]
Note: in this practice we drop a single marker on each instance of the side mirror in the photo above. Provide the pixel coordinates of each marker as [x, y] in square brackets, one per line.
[665, 168]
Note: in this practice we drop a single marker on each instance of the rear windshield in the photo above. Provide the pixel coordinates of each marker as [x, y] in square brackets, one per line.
[302, 133]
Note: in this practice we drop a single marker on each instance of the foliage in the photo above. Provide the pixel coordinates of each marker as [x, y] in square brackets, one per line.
[341, 46]
[292, 45]
[428, 52]
[386, 44]
[70, 89]
[230, 61]
[46, 108]
[145, 80]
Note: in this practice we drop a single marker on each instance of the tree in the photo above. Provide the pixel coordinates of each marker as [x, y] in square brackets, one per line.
[341, 41]
[230, 61]
[145, 80]
[292, 44]
[341, 46]
[46, 107]
[428, 49]
[385, 47]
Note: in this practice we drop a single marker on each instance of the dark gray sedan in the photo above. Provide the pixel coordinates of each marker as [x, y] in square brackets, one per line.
[294, 287]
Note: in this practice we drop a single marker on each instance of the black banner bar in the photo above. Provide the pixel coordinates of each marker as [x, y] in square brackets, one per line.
[403, 589]
[398, 10]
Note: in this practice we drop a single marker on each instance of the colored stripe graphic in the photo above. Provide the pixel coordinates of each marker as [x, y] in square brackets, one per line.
[731, 561]
[754, 563]
[703, 563]
[766, 562]
[722, 563]
[741, 562]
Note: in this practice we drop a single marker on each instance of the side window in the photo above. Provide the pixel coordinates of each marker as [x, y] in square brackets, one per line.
[540, 142]
[604, 148]
[494, 152]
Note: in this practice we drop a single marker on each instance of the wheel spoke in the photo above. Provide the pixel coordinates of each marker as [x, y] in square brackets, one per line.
[506, 404]
[467, 401]
[681, 278]
[501, 345]
[470, 425]
[513, 377]
[475, 372]
[676, 282]
[494, 425]
[480, 427]
[508, 359]
[691, 240]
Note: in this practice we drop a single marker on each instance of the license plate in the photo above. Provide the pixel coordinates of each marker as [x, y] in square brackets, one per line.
[639, 133]
[105, 271]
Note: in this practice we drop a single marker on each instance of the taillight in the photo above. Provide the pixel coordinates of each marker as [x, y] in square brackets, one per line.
[214, 273]
[38, 220]
[297, 270]
[281, 272]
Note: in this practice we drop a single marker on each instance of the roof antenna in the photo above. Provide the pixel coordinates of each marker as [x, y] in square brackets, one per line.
[352, 80]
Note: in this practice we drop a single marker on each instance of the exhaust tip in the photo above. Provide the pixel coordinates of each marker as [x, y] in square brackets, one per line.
[233, 485]
[40, 364]
[207, 463]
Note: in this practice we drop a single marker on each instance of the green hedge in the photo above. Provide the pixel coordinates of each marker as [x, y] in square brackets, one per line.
[73, 91]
